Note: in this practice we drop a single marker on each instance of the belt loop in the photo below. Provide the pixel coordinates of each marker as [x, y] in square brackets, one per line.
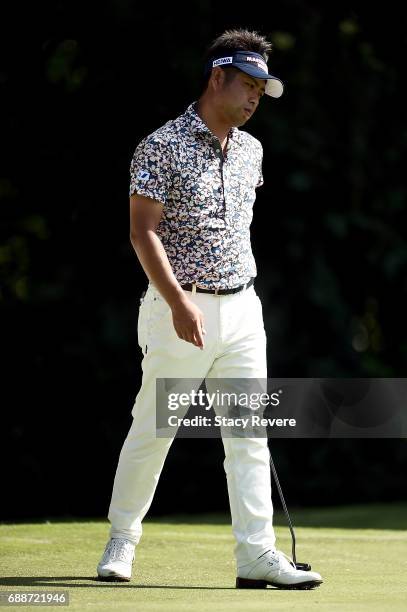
[244, 287]
[193, 288]
[216, 292]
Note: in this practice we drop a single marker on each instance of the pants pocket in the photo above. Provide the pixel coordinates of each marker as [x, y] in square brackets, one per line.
[153, 309]
[141, 326]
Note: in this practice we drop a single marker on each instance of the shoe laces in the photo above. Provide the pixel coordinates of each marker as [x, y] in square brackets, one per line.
[120, 550]
[280, 558]
[286, 563]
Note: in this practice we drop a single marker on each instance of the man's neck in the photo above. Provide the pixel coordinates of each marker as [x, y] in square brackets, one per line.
[214, 123]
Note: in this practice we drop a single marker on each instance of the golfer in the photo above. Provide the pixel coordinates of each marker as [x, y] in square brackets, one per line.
[192, 188]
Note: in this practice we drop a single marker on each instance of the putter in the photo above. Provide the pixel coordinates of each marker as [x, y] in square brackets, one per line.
[300, 566]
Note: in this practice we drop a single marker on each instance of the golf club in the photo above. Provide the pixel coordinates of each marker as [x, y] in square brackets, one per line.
[300, 566]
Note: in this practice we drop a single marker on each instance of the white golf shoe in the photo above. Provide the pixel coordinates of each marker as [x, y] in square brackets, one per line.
[117, 560]
[278, 570]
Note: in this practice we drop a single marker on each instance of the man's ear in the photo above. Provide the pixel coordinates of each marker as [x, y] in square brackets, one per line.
[217, 78]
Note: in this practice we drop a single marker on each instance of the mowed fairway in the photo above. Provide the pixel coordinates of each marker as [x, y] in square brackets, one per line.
[187, 563]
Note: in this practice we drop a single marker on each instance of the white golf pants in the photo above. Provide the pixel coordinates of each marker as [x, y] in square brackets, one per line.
[235, 347]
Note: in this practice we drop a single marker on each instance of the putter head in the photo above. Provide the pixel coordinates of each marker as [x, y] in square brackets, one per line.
[305, 567]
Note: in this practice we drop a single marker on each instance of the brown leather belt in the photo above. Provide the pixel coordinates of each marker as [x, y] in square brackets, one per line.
[190, 286]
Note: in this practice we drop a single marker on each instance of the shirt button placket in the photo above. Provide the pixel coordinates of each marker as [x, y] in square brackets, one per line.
[219, 154]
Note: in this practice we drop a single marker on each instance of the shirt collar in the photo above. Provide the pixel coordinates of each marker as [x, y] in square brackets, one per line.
[198, 126]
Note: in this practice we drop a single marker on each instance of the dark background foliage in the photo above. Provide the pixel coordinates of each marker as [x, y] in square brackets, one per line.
[80, 85]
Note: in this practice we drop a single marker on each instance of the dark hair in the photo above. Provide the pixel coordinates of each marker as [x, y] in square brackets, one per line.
[235, 40]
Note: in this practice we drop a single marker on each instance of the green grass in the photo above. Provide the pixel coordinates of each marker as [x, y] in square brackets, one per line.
[186, 563]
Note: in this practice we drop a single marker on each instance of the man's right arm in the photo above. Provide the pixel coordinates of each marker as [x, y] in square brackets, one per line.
[145, 215]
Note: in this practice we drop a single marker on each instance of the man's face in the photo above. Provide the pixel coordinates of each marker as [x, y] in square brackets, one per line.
[239, 98]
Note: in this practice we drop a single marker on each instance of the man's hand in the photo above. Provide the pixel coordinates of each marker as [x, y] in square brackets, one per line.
[188, 322]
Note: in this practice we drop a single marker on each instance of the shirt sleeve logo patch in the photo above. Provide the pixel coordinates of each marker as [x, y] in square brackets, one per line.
[143, 176]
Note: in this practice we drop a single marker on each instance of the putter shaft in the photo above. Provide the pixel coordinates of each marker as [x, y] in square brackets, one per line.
[280, 492]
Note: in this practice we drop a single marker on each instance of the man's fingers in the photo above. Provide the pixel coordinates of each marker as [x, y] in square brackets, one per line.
[186, 335]
[193, 336]
[199, 334]
[180, 333]
[199, 337]
[192, 332]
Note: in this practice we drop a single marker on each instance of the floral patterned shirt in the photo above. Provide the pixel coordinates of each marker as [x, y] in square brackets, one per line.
[208, 198]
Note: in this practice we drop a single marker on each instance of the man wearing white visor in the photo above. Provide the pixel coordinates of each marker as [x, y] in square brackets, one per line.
[192, 188]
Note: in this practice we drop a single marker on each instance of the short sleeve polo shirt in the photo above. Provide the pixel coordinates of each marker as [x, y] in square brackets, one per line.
[208, 198]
